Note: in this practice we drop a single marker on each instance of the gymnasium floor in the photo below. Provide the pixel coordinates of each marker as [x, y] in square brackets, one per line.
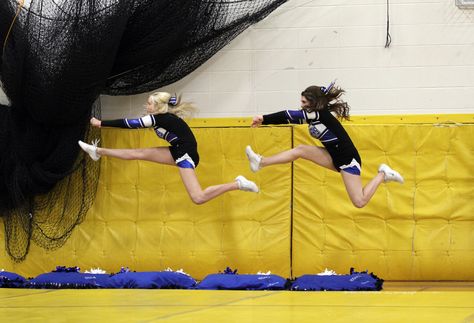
[398, 302]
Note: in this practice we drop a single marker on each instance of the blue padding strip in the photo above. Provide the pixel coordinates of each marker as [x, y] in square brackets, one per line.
[69, 280]
[157, 279]
[144, 280]
[352, 282]
[11, 280]
[242, 282]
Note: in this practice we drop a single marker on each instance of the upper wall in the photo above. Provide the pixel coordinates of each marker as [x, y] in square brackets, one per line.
[428, 68]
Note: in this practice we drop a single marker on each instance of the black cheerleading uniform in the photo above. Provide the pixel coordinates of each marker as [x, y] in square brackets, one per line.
[323, 126]
[169, 127]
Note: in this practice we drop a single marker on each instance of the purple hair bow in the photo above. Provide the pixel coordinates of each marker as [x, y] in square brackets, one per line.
[173, 100]
[327, 89]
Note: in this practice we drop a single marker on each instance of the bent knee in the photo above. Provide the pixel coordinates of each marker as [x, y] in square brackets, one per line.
[300, 150]
[359, 202]
[301, 147]
[198, 198]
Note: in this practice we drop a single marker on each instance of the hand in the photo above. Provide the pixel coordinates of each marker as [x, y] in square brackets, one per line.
[96, 122]
[257, 121]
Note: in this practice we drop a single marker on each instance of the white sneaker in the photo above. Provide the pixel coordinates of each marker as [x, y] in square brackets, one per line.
[246, 185]
[91, 149]
[390, 174]
[254, 159]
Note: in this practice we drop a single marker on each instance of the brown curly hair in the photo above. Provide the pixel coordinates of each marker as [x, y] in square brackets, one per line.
[319, 98]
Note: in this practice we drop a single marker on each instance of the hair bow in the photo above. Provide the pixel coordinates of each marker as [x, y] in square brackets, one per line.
[173, 100]
[326, 90]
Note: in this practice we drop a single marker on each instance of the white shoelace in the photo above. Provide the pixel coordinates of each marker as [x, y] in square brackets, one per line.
[95, 142]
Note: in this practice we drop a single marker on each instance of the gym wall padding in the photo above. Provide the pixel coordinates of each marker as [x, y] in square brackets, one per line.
[422, 230]
[301, 222]
[143, 218]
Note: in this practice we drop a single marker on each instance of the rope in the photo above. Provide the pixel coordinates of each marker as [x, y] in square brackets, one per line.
[20, 6]
[388, 39]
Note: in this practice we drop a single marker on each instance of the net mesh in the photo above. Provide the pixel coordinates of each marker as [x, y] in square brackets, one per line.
[57, 57]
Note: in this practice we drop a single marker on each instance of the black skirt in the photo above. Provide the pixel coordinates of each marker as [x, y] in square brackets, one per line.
[342, 154]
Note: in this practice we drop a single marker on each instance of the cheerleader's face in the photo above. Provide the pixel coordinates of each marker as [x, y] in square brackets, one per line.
[304, 102]
[149, 106]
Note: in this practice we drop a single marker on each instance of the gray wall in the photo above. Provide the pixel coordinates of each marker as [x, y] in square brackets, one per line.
[429, 67]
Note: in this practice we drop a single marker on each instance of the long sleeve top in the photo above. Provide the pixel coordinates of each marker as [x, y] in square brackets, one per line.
[322, 125]
[167, 126]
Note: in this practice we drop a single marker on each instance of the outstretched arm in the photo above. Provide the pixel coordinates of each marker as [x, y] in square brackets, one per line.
[288, 116]
[143, 122]
[257, 121]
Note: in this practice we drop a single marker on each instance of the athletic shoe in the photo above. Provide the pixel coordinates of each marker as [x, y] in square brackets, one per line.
[254, 159]
[390, 174]
[246, 185]
[91, 149]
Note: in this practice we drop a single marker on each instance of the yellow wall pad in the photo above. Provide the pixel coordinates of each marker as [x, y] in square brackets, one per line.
[302, 219]
[421, 230]
[143, 219]
[126, 305]
[356, 119]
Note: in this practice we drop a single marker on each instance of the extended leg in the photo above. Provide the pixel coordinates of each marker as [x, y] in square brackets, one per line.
[200, 196]
[317, 155]
[359, 195]
[161, 155]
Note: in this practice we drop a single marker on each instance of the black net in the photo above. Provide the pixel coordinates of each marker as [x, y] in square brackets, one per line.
[58, 56]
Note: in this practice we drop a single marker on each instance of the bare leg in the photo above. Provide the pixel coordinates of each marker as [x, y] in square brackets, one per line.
[161, 155]
[359, 195]
[199, 196]
[315, 154]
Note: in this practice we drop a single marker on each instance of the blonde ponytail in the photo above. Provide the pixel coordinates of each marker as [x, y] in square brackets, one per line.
[162, 103]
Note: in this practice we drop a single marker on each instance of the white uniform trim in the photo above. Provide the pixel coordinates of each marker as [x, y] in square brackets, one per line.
[353, 163]
[185, 157]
